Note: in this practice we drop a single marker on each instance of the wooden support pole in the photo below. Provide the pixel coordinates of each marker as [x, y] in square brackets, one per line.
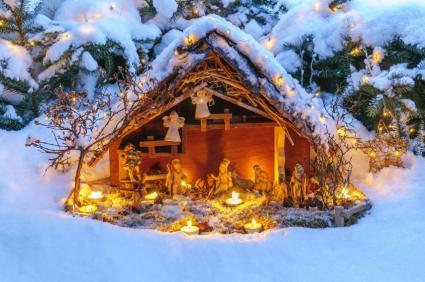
[339, 219]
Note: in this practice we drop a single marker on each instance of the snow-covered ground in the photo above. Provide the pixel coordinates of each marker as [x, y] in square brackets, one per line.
[39, 242]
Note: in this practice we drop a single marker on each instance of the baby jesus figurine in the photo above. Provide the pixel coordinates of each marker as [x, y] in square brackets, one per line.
[174, 123]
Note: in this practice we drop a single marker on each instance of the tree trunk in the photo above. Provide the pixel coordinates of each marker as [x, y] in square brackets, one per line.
[77, 180]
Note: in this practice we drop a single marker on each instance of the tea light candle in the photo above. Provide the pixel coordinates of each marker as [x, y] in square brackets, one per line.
[189, 229]
[151, 197]
[253, 227]
[234, 200]
[88, 209]
[95, 196]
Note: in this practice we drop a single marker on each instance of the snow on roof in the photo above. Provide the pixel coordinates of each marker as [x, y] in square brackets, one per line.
[258, 66]
[237, 45]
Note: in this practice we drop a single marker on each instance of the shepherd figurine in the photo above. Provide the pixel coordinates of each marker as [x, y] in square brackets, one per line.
[175, 178]
[132, 162]
[298, 185]
[174, 123]
[223, 182]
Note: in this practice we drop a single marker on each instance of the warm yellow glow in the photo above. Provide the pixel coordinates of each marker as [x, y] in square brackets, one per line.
[189, 223]
[342, 131]
[334, 9]
[365, 79]
[176, 53]
[87, 29]
[278, 79]
[195, 11]
[1, 23]
[317, 94]
[66, 36]
[151, 196]
[270, 42]
[317, 6]
[189, 40]
[88, 208]
[412, 130]
[94, 195]
[185, 184]
[322, 119]
[356, 52]
[386, 113]
[377, 56]
[396, 153]
[372, 154]
[234, 200]
[143, 61]
[253, 222]
[354, 141]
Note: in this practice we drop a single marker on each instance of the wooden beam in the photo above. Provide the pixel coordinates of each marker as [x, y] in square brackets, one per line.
[239, 103]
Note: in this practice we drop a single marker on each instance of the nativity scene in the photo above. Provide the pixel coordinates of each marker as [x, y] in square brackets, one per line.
[219, 145]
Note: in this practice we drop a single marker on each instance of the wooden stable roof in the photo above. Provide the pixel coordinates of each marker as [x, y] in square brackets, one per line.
[217, 63]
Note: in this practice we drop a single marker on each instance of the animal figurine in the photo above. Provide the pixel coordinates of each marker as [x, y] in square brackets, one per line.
[262, 182]
[297, 185]
[132, 161]
[175, 178]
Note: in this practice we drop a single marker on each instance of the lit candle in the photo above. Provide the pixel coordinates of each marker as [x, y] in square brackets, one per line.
[151, 197]
[88, 209]
[253, 227]
[234, 200]
[95, 196]
[190, 229]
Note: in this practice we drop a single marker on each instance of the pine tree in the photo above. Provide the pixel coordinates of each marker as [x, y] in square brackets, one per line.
[17, 22]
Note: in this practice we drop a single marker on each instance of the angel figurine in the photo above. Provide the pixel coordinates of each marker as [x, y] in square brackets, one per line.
[173, 122]
[202, 99]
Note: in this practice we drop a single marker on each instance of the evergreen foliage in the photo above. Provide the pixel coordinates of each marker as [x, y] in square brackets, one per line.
[17, 22]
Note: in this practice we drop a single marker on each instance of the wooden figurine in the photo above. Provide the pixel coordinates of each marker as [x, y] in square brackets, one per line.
[173, 122]
[202, 99]
[280, 190]
[297, 185]
[175, 178]
[223, 182]
[132, 162]
[262, 183]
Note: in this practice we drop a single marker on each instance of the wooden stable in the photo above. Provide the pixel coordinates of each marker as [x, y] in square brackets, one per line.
[245, 126]
[231, 131]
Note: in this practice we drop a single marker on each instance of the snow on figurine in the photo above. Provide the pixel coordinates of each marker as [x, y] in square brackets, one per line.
[173, 122]
[132, 162]
[297, 185]
[175, 178]
[202, 99]
[223, 182]
[262, 183]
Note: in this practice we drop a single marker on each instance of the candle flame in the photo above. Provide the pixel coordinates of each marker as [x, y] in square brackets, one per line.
[95, 195]
[189, 223]
[235, 196]
[253, 222]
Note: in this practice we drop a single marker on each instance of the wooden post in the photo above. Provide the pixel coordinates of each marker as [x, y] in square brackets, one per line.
[339, 219]
[227, 119]
[203, 125]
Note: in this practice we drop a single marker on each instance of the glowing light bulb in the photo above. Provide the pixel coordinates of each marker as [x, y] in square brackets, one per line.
[317, 6]
[278, 80]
